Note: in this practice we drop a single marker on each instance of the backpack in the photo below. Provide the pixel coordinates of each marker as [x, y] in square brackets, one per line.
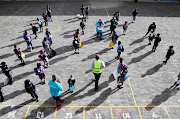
[35, 70]
[74, 44]
[122, 49]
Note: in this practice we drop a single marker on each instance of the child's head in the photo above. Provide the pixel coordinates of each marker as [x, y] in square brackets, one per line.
[46, 29]
[119, 42]
[71, 76]
[121, 59]
[97, 57]
[171, 47]
[15, 46]
[38, 19]
[38, 65]
[31, 24]
[125, 22]
[41, 51]
[158, 34]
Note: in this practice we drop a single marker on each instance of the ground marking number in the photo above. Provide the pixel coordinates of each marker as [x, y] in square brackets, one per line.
[40, 115]
[154, 115]
[126, 116]
[98, 116]
[68, 116]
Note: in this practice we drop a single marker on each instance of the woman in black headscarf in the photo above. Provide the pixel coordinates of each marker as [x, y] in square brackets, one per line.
[31, 89]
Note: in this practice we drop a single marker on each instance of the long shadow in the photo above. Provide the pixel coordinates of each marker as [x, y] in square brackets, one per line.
[14, 94]
[31, 20]
[163, 97]
[59, 59]
[26, 30]
[5, 56]
[50, 101]
[12, 45]
[139, 58]
[71, 19]
[153, 70]
[138, 49]
[99, 100]
[8, 109]
[93, 55]
[32, 54]
[68, 36]
[67, 32]
[138, 40]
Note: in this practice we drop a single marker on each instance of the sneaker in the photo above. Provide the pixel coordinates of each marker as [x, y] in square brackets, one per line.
[100, 38]
[149, 44]
[32, 48]
[77, 52]
[48, 65]
[44, 81]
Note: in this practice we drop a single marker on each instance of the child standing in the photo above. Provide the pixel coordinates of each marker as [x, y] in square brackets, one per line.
[87, 11]
[20, 54]
[31, 89]
[125, 26]
[40, 71]
[169, 53]
[119, 49]
[134, 15]
[82, 9]
[82, 25]
[44, 58]
[40, 24]
[46, 46]
[34, 29]
[123, 77]
[71, 83]
[76, 44]
[151, 36]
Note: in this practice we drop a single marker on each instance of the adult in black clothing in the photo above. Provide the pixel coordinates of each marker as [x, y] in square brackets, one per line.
[113, 24]
[169, 53]
[156, 42]
[34, 29]
[152, 27]
[31, 89]
[6, 71]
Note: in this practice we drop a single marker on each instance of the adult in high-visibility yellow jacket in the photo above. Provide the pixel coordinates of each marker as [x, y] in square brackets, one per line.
[96, 67]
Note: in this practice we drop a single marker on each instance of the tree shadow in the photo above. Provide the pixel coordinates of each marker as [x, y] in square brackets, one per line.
[93, 55]
[163, 97]
[152, 70]
[138, 40]
[138, 49]
[139, 58]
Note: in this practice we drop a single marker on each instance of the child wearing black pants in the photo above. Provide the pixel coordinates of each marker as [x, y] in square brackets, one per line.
[1, 94]
[31, 89]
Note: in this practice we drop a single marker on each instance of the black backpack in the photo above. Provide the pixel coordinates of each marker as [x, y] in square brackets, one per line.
[74, 44]
[122, 49]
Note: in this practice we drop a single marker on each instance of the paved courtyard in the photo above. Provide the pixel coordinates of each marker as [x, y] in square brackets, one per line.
[146, 94]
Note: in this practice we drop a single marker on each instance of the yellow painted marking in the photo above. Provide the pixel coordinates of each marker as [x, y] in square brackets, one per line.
[13, 15]
[178, 100]
[144, 100]
[107, 13]
[12, 26]
[72, 101]
[1, 108]
[108, 101]
[168, 26]
[84, 112]
[167, 112]
[111, 113]
[54, 25]
[140, 112]
[55, 113]
[27, 112]
[132, 92]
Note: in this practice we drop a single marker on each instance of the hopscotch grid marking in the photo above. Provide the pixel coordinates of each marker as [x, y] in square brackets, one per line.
[13, 15]
[84, 112]
[27, 112]
[139, 112]
[111, 113]
[55, 113]
[167, 112]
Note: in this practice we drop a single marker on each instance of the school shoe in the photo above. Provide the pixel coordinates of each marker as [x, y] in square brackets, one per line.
[33, 99]
[149, 44]
[100, 38]
[32, 48]
[77, 52]
[36, 100]
[44, 81]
